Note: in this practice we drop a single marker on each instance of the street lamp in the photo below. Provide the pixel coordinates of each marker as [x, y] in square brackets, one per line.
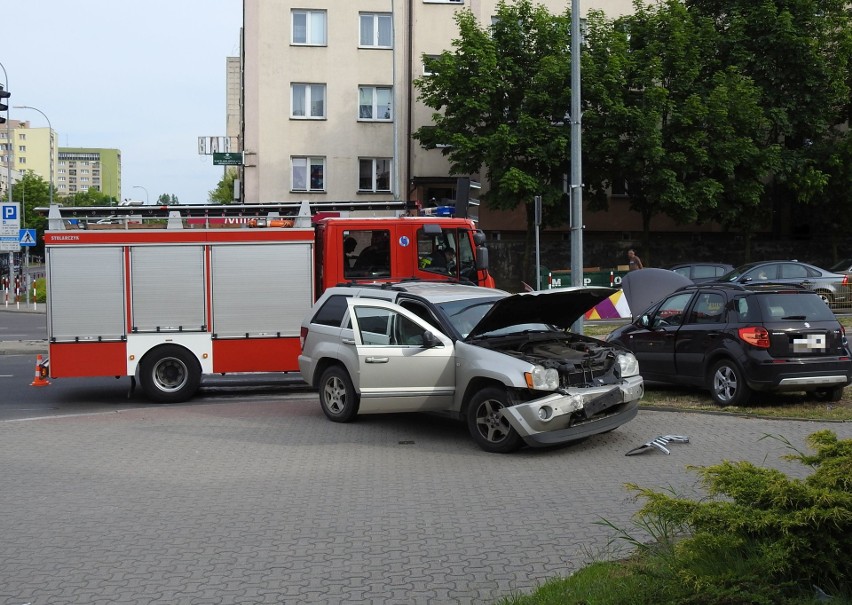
[50, 133]
[143, 189]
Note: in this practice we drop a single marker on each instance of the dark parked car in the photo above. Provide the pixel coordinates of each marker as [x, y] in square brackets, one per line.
[735, 339]
[702, 272]
[833, 288]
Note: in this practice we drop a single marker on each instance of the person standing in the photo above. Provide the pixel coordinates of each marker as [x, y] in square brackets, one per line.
[633, 261]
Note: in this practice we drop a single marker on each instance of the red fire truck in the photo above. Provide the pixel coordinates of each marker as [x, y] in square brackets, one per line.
[168, 294]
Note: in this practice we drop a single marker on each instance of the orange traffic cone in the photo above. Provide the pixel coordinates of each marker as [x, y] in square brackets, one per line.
[40, 374]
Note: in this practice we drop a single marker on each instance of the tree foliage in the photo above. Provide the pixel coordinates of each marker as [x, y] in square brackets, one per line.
[798, 54]
[789, 531]
[224, 192]
[707, 110]
[500, 99]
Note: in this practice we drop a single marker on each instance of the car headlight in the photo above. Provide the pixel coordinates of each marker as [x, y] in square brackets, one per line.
[628, 365]
[542, 379]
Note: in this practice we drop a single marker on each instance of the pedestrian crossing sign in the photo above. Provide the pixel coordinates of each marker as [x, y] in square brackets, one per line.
[28, 237]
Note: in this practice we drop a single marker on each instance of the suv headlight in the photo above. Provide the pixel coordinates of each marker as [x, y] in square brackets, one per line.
[542, 379]
[628, 365]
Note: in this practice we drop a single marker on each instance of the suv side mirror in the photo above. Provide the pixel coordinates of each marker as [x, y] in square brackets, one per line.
[644, 321]
[430, 341]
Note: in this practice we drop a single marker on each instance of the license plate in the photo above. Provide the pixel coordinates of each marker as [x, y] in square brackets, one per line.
[809, 343]
[599, 404]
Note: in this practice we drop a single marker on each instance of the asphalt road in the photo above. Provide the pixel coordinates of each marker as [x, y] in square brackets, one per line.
[253, 497]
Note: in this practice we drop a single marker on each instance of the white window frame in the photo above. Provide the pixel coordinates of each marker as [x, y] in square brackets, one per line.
[374, 21]
[310, 27]
[374, 174]
[374, 107]
[308, 101]
[306, 163]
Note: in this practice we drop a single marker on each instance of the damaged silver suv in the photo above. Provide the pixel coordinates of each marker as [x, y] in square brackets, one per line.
[505, 364]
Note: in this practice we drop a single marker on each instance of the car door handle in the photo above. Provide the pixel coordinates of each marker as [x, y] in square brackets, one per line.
[377, 359]
[348, 341]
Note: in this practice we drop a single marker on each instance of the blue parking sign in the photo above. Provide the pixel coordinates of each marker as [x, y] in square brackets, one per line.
[10, 212]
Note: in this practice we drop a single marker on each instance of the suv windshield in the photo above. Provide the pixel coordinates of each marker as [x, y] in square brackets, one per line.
[805, 306]
[465, 314]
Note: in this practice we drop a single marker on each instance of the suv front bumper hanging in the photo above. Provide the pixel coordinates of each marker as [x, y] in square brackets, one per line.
[557, 418]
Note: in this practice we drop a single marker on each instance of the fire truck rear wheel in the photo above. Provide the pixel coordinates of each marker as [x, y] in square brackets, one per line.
[169, 374]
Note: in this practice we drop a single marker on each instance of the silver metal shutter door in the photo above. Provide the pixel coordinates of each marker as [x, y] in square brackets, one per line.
[167, 288]
[261, 290]
[86, 293]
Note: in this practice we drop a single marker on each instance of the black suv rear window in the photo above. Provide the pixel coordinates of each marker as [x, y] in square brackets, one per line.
[804, 306]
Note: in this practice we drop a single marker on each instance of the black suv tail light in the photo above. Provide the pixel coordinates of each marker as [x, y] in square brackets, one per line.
[755, 336]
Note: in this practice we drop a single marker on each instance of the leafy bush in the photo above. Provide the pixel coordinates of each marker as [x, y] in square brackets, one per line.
[41, 290]
[760, 532]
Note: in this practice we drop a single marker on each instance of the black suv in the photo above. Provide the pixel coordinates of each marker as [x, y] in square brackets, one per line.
[735, 339]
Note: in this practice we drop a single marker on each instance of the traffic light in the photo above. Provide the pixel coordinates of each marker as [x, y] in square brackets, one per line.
[3, 107]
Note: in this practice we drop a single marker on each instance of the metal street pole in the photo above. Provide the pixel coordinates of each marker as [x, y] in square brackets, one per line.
[143, 189]
[576, 160]
[9, 147]
[49, 185]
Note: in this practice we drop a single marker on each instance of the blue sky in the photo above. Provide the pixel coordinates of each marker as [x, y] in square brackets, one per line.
[147, 78]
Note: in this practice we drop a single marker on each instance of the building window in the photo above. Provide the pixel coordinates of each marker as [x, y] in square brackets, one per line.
[374, 174]
[376, 30]
[308, 100]
[22, 148]
[22, 160]
[429, 63]
[22, 136]
[374, 103]
[309, 27]
[308, 173]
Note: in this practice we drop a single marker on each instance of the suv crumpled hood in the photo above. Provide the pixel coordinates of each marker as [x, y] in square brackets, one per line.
[560, 307]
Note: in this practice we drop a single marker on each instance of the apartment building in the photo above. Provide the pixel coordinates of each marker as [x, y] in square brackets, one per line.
[329, 104]
[6, 171]
[80, 169]
[28, 148]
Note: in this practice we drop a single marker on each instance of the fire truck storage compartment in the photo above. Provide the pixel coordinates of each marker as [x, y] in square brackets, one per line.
[85, 297]
[261, 290]
[167, 288]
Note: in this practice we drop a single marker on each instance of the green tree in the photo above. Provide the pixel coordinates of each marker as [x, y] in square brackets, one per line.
[90, 197]
[166, 199]
[672, 123]
[798, 53]
[500, 97]
[497, 97]
[32, 192]
[224, 192]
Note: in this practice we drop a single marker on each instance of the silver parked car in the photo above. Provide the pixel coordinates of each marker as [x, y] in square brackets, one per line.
[833, 288]
[505, 364]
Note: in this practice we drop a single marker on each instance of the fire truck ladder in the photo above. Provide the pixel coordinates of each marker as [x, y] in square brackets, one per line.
[78, 217]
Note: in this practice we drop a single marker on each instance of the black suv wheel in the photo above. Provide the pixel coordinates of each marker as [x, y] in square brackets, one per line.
[727, 384]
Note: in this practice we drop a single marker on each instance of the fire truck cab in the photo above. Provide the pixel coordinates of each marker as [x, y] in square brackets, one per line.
[166, 295]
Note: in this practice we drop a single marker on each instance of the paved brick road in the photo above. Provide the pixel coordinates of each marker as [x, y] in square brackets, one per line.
[268, 502]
